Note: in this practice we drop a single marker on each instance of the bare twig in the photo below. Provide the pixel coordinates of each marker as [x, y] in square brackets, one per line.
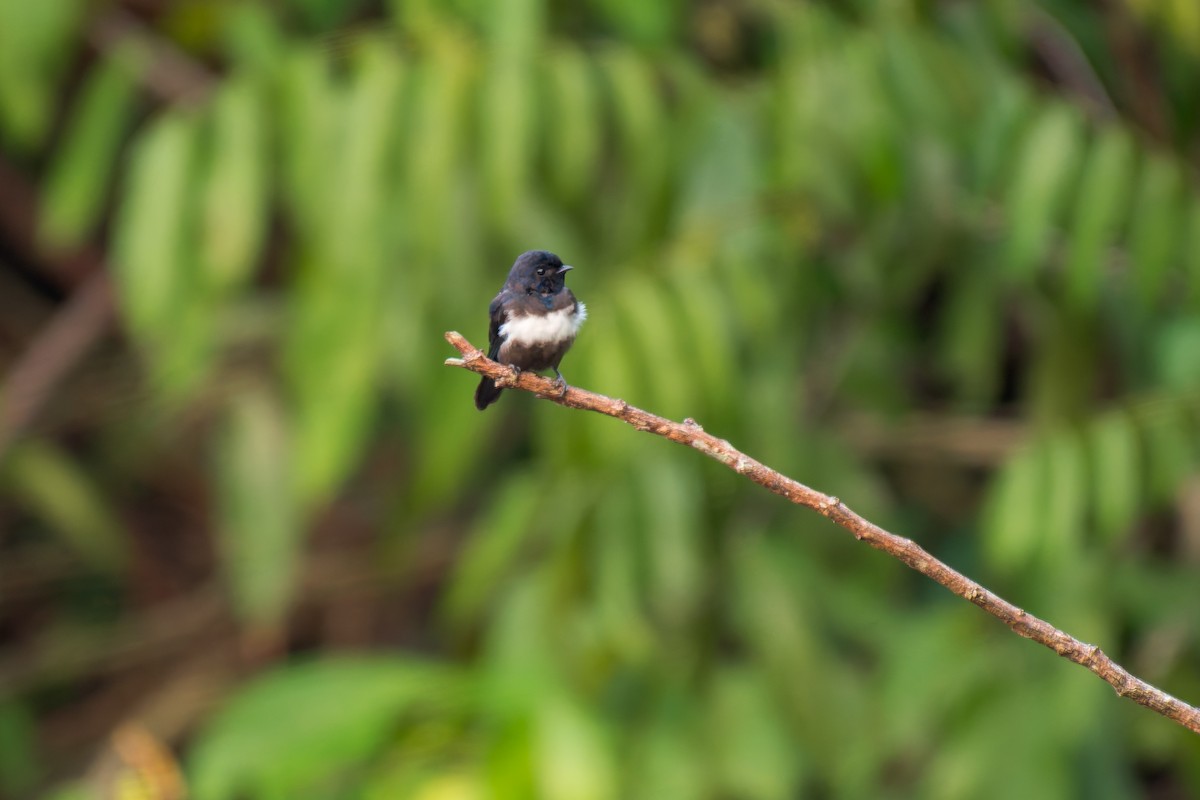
[1068, 64]
[692, 435]
[919, 438]
[72, 331]
[165, 71]
[166, 629]
[58, 347]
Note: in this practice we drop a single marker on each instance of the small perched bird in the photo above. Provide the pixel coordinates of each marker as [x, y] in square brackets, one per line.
[534, 320]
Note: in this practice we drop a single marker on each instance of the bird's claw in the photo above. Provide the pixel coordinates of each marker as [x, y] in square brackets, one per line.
[509, 380]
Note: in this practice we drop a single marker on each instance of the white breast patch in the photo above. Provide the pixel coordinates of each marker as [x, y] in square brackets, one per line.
[553, 327]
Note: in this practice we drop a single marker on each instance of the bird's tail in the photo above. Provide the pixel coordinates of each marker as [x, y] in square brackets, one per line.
[487, 393]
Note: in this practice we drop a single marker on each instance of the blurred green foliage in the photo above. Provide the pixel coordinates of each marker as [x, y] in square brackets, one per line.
[791, 221]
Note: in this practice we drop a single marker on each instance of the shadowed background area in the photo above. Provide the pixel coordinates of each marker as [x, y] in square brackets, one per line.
[940, 259]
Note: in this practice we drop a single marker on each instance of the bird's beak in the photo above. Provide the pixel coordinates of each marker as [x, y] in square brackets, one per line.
[564, 268]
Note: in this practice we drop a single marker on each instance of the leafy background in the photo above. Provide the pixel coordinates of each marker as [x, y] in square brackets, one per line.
[941, 259]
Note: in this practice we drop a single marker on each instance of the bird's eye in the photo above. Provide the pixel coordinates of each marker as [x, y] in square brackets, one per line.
[541, 270]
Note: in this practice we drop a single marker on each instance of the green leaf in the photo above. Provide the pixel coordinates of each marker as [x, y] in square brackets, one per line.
[911, 77]
[153, 271]
[309, 115]
[260, 530]
[79, 790]
[1000, 123]
[1050, 152]
[753, 756]
[571, 130]
[80, 175]
[642, 137]
[447, 446]
[616, 600]
[652, 328]
[508, 108]
[509, 760]
[416, 779]
[1154, 235]
[20, 770]
[646, 23]
[253, 38]
[706, 321]
[667, 761]
[334, 396]
[1191, 253]
[1171, 450]
[454, 784]
[1177, 19]
[1066, 497]
[573, 760]
[438, 149]
[158, 282]
[509, 525]
[772, 613]
[966, 766]
[181, 360]
[1117, 469]
[34, 48]
[722, 183]
[971, 336]
[59, 490]
[515, 28]
[234, 208]
[916, 647]
[360, 163]
[1103, 196]
[1177, 352]
[522, 665]
[293, 729]
[669, 497]
[322, 15]
[1014, 515]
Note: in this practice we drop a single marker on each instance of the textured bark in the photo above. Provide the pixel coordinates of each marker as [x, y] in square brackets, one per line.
[691, 434]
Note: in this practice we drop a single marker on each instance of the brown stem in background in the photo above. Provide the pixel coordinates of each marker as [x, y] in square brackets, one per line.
[168, 73]
[1136, 69]
[692, 435]
[61, 344]
[72, 331]
[1067, 63]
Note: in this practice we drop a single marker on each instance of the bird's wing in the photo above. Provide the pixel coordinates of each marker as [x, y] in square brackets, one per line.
[496, 312]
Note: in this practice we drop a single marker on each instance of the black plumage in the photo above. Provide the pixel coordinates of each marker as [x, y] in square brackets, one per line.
[534, 319]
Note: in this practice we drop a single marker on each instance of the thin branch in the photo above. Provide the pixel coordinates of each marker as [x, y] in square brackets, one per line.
[164, 70]
[692, 435]
[75, 327]
[61, 344]
[920, 438]
[167, 628]
[1068, 64]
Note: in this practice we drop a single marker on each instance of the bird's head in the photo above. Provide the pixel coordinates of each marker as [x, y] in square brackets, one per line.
[538, 272]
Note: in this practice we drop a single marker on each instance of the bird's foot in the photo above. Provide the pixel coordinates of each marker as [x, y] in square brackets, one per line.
[560, 383]
[510, 380]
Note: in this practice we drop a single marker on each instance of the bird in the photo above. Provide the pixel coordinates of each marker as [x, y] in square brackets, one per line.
[533, 320]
